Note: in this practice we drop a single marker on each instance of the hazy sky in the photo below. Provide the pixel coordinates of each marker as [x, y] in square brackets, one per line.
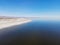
[30, 7]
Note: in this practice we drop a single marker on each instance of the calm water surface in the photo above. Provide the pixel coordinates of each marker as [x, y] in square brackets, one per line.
[33, 33]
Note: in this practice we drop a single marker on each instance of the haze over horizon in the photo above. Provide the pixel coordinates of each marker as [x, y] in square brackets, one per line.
[30, 8]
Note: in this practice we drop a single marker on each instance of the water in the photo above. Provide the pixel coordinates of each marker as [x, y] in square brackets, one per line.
[33, 33]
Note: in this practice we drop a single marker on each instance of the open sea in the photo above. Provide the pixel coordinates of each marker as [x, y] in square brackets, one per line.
[37, 32]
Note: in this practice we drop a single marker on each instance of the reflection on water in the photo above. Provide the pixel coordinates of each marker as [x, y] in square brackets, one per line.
[33, 33]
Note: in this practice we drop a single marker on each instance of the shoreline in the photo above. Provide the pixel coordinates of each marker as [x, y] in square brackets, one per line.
[2, 26]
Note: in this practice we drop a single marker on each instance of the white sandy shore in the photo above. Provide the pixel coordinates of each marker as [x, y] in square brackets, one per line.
[4, 23]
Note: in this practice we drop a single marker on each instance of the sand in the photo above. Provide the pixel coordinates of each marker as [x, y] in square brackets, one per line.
[5, 23]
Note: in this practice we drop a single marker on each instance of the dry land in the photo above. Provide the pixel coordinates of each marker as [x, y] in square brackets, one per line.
[7, 22]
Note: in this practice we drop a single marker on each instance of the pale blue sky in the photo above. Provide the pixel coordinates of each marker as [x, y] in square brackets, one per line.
[29, 7]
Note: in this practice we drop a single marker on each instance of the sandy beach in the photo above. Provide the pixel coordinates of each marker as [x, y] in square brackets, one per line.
[8, 22]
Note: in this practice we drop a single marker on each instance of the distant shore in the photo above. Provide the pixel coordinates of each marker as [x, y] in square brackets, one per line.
[8, 22]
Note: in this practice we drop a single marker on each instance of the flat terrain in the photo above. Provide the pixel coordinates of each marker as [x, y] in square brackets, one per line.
[9, 21]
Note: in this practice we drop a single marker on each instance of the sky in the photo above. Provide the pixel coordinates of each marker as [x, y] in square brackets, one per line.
[29, 8]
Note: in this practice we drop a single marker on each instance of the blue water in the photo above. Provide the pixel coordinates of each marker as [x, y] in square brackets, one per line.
[36, 32]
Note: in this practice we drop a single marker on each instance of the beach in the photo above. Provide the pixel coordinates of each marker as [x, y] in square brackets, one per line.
[8, 22]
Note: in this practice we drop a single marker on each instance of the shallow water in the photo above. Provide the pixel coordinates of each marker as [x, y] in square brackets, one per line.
[36, 32]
